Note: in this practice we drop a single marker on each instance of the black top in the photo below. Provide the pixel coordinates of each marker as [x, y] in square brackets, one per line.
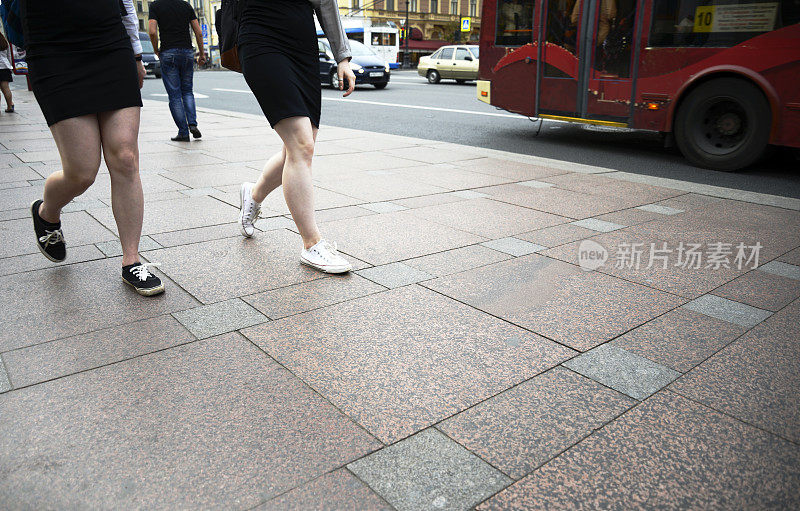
[54, 27]
[174, 18]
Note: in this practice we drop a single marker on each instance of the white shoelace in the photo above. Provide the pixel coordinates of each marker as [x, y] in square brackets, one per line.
[330, 250]
[143, 270]
[52, 237]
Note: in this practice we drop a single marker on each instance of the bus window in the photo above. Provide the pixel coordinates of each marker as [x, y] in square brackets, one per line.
[514, 22]
[561, 31]
[613, 38]
[717, 23]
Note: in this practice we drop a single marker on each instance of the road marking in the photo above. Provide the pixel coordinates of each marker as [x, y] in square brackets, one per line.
[197, 95]
[397, 105]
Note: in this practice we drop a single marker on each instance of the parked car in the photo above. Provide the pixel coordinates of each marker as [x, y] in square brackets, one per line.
[457, 62]
[149, 58]
[368, 67]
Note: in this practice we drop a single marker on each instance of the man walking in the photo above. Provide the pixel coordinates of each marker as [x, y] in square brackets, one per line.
[171, 20]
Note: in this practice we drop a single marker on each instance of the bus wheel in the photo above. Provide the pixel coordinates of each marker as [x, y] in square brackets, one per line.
[433, 76]
[723, 124]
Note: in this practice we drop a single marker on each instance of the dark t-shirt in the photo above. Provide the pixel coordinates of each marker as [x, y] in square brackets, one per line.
[174, 18]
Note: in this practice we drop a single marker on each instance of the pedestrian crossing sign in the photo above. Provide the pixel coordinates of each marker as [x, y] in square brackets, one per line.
[465, 25]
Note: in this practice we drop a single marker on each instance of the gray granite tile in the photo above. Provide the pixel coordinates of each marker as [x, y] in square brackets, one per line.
[219, 318]
[557, 235]
[306, 296]
[761, 289]
[429, 471]
[623, 371]
[53, 307]
[113, 248]
[5, 384]
[394, 275]
[428, 200]
[42, 362]
[790, 271]
[404, 359]
[728, 310]
[536, 184]
[276, 222]
[211, 424]
[598, 225]
[188, 236]
[667, 453]
[383, 207]
[469, 194]
[17, 238]
[328, 215]
[791, 257]
[660, 209]
[456, 260]
[524, 427]
[36, 261]
[336, 491]
[513, 246]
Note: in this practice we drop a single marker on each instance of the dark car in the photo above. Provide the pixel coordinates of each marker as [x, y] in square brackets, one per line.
[369, 68]
[149, 58]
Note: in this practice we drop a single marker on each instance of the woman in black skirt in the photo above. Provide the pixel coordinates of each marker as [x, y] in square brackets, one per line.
[280, 61]
[84, 62]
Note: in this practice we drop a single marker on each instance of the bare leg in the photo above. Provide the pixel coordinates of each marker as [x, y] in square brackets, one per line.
[7, 94]
[119, 130]
[271, 177]
[78, 141]
[298, 137]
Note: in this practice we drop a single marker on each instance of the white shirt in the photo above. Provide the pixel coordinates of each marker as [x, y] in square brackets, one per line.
[5, 59]
[131, 22]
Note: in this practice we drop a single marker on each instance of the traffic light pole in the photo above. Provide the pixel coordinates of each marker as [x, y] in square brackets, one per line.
[406, 55]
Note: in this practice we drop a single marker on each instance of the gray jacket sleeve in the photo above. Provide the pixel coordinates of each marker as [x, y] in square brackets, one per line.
[328, 16]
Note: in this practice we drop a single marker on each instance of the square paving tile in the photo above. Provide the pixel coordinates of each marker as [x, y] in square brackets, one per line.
[598, 225]
[557, 201]
[314, 294]
[212, 424]
[198, 234]
[429, 471]
[526, 426]
[728, 310]
[510, 169]
[488, 218]
[63, 357]
[329, 215]
[50, 309]
[37, 261]
[790, 271]
[680, 339]
[469, 194]
[667, 453]
[17, 237]
[401, 360]
[372, 188]
[594, 184]
[390, 237]
[429, 200]
[5, 384]
[219, 318]
[113, 248]
[762, 289]
[220, 269]
[660, 209]
[630, 216]
[558, 300]
[557, 235]
[791, 257]
[176, 215]
[335, 491]
[383, 207]
[394, 275]
[513, 246]
[451, 176]
[456, 260]
[212, 175]
[756, 378]
[623, 371]
[536, 184]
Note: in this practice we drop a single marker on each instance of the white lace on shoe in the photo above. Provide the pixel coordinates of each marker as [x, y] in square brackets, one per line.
[250, 210]
[52, 237]
[143, 270]
[325, 256]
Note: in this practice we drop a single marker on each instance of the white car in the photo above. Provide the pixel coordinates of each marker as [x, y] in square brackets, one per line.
[457, 62]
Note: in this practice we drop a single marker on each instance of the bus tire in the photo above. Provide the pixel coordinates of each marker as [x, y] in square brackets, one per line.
[723, 124]
[433, 76]
[380, 85]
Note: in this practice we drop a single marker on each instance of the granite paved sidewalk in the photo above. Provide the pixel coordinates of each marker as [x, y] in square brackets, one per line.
[518, 333]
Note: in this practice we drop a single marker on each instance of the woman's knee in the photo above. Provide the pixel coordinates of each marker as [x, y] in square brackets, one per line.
[301, 149]
[122, 161]
[81, 179]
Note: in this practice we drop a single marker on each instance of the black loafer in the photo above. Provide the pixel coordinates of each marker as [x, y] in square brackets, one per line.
[180, 138]
[195, 132]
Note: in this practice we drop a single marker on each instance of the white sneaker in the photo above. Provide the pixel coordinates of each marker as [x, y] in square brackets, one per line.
[324, 256]
[248, 210]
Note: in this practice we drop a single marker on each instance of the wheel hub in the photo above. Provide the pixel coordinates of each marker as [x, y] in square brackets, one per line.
[729, 124]
[723, 127]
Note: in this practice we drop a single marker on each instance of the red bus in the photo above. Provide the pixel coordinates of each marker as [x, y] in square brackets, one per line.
[720, 77]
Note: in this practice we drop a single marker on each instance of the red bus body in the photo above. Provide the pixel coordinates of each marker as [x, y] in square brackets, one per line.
[659, 77]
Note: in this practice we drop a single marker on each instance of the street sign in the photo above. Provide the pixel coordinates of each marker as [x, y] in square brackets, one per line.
[465, 25]
[205, 32]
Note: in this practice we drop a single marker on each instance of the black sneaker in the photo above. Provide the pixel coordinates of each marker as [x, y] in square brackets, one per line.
[140, 277]
[49, 237]
[180, 138]
[195, 132]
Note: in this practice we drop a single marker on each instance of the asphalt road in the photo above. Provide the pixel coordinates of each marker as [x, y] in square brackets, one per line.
[450, 112]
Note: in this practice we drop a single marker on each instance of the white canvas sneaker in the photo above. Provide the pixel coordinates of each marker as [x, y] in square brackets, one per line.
[324, 256]
[248, 210]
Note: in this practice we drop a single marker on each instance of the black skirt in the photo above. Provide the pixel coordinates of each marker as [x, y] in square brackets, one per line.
[6, 76]
[279, 55]
[80, 59]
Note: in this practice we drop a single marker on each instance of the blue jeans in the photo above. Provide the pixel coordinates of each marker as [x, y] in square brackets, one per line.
[177, 70]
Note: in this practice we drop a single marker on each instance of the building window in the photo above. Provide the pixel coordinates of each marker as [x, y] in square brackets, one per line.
[413, 7]
[139, 6]
[354, 4]
[473, 8]
[453, 6]
[389, 5]
[141, 25]
[434, 6]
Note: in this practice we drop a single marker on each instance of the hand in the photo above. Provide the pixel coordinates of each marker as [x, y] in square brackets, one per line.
[201, 60]
[344, 71]
[141, 71]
